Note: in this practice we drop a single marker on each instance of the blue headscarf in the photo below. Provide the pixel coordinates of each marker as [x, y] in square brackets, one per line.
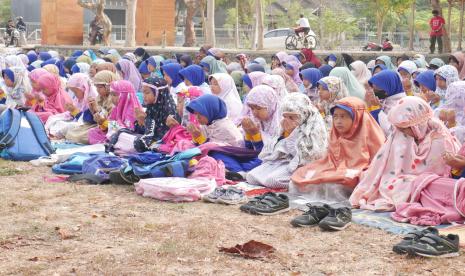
[427, 79]
[255, 67]
[143, 68]
[69, 63]
[32, 56]
[172, 70]
[77, 53]
[205, 65]
[155, 62]
[209, 106]
[44, 56]
[313, 75]
[389, 81]
[247, 81]
[9, 73]
[325, 69]
[194, 74]
[343, 107]
[382, 66]
[168, 61]
[331, 57]
[59, 63]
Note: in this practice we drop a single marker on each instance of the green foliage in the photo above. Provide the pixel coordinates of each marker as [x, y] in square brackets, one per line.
[334, 27]
[5, 10]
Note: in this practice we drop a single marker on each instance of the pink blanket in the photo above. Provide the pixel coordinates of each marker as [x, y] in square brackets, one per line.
[174, 189]
[433, 200]
[209, 168]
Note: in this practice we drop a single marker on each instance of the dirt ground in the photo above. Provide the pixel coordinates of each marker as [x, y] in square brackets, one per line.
[72, 229]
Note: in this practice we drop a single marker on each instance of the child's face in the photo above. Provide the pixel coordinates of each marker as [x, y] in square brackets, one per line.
[342, 121]
[325, 95]
[407, 131]
[187, 82]
[114, 97]
[93, 70]
[201, 119]
[149, 96]
[77, 92]
[183, 64]
[151, 68]
[377, 70]
[167, 78]
[214, 86]
[424, 89]
[9, 82]
[261, 113]
[404, 74]
[307, 84]
[46, 92]
[379, 62]
[103, 90]
[35, 85]
[290, 72]
[441, 82]
[145, 76]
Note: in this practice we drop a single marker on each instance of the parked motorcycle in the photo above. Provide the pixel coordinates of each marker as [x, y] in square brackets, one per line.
[12, 39]
[385, 47]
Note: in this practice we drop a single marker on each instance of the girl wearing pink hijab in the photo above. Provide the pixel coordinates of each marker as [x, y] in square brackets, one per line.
[126, 104]
[130, 73]
[35, 98]
[55, 97]
[414, 147]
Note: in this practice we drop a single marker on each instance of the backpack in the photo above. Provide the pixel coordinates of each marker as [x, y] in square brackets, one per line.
[102, 165]
[23, 136]
[74, 163]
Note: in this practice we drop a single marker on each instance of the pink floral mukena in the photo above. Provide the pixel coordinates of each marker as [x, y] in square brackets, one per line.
[389, 179]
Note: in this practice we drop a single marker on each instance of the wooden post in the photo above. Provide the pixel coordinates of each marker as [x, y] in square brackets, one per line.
[462, 3]
[412, 27]
[236, 43]
[260, 27]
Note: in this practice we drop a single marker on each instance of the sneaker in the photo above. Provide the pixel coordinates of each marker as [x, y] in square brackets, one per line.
[436, 246]
[214, 196]
[312, 216]
[337, 219]
[245, 208]
[270, 204]
[411, 238]
[234, 176]
[232, 196]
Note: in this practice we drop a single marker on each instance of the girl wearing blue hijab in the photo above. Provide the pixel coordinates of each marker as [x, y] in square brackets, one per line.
[77, 53]
[153, 64]
[44, 56]
[194, 75]
[310, 78]
[32, 56]
[387, 91]
[378, 68]
[185, 60]
[325, 70]
[211, 113]
[171, 75]
[426, 81]
[144, 71]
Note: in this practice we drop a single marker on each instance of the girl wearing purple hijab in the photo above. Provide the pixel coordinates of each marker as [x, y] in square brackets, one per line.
[129, 72]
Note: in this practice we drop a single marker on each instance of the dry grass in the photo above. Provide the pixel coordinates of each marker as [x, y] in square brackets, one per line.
[110, 230]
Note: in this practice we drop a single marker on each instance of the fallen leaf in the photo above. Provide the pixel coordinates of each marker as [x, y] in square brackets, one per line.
[295, 273]
[65, 234]
[33, 259]
[251, 249]
[94, 216]
[13, 204]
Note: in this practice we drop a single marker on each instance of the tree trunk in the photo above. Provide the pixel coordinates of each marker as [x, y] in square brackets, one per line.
[380, 25]
[236, 42]
[189, 31]
[449, 15]
[131, 23]
[260, 27]
[462, 3]
[210, 28]
[436, 5]
[412, 27]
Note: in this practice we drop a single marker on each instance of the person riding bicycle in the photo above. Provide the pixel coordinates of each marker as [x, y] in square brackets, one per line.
[303, 26]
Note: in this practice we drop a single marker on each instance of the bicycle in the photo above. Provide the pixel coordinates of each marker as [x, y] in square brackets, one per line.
[293, 40]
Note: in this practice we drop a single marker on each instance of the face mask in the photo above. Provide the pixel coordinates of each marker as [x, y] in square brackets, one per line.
[380, 94]
[331, 63]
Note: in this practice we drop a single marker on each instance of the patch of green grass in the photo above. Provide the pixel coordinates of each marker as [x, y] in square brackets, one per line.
[6, 171]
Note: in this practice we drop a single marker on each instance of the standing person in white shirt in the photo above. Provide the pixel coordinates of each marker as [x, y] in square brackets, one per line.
[303, 26]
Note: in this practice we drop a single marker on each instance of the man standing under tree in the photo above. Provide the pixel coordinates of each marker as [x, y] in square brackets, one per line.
[437, 31]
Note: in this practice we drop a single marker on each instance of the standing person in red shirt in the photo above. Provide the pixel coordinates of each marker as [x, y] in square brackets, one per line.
[437, 31]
